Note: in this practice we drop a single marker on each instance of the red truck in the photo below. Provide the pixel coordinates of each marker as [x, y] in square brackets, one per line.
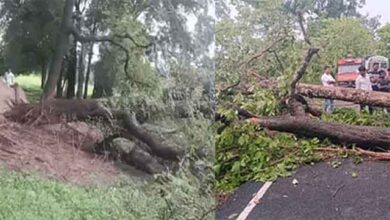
[347, 68]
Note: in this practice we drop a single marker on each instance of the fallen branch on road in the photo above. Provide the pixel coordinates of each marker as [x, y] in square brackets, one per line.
[345, 94]
[372, 155]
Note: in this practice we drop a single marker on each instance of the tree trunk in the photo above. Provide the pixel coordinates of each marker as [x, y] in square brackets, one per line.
[132, 154]
[159, 149]
[80, 71]
[71, 71]
[60, 51]
[76, 109]
[60, 82]
[90, 54]
[43, 74]
[81, 54]
[346, 94]
[366, 137]
[97, 90]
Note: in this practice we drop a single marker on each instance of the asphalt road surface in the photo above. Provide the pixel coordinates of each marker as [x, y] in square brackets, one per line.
[349, 192]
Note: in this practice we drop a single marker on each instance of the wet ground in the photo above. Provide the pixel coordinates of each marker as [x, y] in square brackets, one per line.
[351, 191]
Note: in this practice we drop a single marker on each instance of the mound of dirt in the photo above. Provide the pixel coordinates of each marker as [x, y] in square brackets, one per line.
[58, 151]
[10, 96]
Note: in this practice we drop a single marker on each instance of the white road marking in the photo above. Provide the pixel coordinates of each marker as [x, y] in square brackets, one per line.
[255, 200]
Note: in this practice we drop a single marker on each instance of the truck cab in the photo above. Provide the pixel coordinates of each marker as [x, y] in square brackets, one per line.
[347, 71]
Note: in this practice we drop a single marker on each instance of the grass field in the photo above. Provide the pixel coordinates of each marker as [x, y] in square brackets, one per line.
[32, 86]
[31, 198]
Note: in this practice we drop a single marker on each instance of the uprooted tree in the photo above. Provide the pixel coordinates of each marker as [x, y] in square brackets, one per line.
[296, 115]
[57, 111]
[297, 118]
[126, 48]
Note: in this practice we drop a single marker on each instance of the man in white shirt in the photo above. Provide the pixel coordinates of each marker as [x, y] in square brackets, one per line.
[9, 78]
[363, 82]
[328, 80]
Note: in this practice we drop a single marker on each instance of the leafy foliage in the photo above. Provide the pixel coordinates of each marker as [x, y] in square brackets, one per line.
[178, 98]
[247, 152]
[349, 116]
[30, 31]
[338, 38]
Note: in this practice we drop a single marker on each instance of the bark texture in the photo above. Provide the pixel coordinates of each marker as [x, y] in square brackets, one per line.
[366, 137]
[60, 51]
[346, 94]
[78, 109]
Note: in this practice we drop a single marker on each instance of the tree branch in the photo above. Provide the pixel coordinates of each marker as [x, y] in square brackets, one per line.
[278, 59]
[90, 38]
[250, 60]
[302, 26]
[93, 38]
[299, 74]
[261, 53]
[128, 36]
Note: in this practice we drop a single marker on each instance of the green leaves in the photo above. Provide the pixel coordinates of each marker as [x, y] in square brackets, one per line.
[350, 116]
[246, 152]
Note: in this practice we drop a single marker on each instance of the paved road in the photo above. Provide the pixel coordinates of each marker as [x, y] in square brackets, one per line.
[322, 192]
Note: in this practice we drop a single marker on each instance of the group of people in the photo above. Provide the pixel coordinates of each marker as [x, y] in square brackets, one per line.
[374, 80]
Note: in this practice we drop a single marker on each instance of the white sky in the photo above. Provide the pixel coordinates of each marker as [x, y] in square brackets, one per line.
[378, 7]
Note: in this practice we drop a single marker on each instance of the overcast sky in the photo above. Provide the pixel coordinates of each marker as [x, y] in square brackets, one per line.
[378, 7]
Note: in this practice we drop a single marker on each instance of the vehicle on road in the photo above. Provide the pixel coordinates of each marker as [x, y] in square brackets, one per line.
[347, 68]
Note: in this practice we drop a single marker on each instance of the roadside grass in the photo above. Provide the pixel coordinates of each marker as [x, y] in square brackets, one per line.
[31, 85]
[30, 197]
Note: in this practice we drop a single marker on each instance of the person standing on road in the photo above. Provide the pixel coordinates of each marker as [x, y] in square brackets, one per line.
[328, 81]
[384, 84]
[9, 78]
[374, 76]
[363, 82]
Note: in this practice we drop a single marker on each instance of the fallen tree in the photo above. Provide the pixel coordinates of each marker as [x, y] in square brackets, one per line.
[296, 119]
[356, 96]
[366, 137]
[346, 94]
[64, 110]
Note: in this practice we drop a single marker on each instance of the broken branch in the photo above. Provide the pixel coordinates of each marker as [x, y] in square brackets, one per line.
[299, 74]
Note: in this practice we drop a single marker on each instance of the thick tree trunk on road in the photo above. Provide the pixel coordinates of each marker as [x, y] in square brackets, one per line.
[346, 94]
[366, 137]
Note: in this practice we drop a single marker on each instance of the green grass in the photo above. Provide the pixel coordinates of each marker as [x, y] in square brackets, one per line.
[31, 85]
[26, 197]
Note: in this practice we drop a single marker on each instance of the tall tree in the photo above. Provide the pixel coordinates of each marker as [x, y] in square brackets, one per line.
[30, 28]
